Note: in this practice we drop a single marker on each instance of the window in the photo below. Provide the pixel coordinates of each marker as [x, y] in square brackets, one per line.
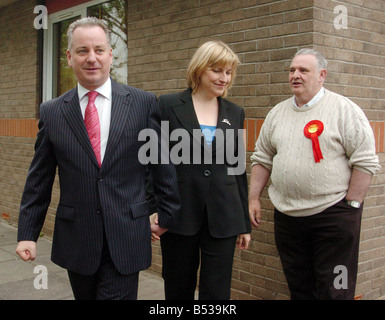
[58, 76]
[114, 14]
[63, 78]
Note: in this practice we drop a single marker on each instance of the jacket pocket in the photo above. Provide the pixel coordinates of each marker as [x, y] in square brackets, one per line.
[65, 213]
[139, 209]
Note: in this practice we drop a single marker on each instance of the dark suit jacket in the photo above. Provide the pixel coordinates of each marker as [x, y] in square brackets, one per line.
[208, 186]
[93, 200]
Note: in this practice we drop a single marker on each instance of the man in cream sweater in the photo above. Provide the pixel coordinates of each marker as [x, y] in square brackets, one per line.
[318, 149]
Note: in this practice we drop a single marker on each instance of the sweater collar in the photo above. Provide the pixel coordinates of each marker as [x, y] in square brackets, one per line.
[318, 96]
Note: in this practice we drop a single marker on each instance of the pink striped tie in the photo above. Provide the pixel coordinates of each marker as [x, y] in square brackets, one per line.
[91, 119]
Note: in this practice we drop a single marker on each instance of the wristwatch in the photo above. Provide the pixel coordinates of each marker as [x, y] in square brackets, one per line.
[353, 203]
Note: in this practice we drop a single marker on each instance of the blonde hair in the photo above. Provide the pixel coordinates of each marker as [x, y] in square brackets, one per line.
[210, 55]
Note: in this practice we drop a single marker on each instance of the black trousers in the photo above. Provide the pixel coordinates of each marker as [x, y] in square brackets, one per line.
[319, 253]
[106, 284]
[181, 257]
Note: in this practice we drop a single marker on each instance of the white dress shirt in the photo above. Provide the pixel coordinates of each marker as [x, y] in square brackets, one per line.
[318, 96]
[103, 105]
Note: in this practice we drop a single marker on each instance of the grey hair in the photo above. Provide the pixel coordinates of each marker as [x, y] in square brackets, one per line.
[87, 22]
[321, 61]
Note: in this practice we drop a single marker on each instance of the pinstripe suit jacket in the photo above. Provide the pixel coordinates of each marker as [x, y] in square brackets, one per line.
[93, 200]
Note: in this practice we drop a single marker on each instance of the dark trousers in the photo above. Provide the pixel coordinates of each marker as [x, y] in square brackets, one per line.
[106, 284]
[319, 253]
[181, 256]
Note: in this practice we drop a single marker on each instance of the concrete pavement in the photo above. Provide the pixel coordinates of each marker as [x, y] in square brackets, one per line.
[17, 277]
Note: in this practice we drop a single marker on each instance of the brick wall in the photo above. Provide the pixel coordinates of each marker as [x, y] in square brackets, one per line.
[163, 35]
[19, 100]
[18, 54]
[18, 80]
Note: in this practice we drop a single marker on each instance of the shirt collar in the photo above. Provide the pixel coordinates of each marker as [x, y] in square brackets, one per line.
[104, 90]
[318, 96]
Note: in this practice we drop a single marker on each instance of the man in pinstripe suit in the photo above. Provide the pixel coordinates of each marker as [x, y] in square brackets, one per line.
[102, 232]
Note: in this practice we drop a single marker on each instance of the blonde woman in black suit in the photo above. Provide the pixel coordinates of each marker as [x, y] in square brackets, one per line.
[214, 210]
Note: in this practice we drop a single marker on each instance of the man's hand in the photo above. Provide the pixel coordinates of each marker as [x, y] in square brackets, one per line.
[255, 212]
[26, 250]
[359, 185]
[258, 180]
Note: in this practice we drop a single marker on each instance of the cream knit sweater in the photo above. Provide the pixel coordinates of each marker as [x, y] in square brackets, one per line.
[300, 186]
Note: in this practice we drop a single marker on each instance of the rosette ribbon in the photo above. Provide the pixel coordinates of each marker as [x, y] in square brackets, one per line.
[313, 130]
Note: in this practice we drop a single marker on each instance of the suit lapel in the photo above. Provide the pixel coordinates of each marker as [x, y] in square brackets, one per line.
[120, 108]
[224, 122]
[186, 115]
[72, 113]
[185, 112]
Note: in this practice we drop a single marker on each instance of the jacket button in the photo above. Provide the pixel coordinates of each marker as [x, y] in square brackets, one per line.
[207, 173]
[99, 211]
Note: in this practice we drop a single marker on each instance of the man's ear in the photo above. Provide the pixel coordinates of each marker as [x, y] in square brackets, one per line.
[323, 73]
[69, 58]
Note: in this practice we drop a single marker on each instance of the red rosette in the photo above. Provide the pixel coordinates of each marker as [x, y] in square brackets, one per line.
[313, 130]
